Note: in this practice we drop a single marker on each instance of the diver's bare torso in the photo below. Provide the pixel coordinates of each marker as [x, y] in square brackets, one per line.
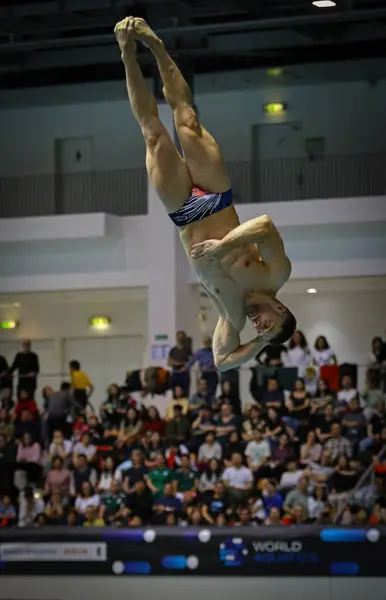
[236, 274]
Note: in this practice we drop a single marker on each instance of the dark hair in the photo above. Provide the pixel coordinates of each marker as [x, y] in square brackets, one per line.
[75, 365]
[303, 341]
[322, 337]
[157, 417]
[65, 386]
[288, 328]
[177, 408]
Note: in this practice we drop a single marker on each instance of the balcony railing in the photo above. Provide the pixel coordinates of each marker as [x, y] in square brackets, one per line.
[124, 192]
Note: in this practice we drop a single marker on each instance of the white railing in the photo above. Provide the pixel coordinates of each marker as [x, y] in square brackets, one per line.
[123, 192]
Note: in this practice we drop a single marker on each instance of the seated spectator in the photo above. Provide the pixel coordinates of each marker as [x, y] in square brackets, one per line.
[298, 354]
[140, 502]
[273, 397]
[111, 410]
[233, 445]
[137, 471]
[58, 478]
[251, 422]
[226, 422]
[281, 455]
[159, 475]
[152, 446]
[27, 424]
[209, 449]
[377, 357]
[372, 396]
[81, 385]
[95, 431]
[178, 400]
[178, 428]
[341, 482]
[271, 498]
[29, 458]
[84, 448]
[211, 476]
[300, 515]
[6, 425]
[55, 509]
[354, 422]
[82, 472]
[325, 421]
[297, 497]
[230, 396]
[317, 502]
[26, 403]
[323, 355]
[257, 452]
[274, 517]
[202, 425]
[337, 445]
[195, 517]
[310, 451]
[291, 476]
[244, 517]
[79, 427]
[238, 480]
[320, 399]
[273, 427]
[106, 475]
[113, 507]
[86, 497]
[166, 502]
[186, 480]
[373, 429]
[215, 503]
[29, 508]
[199, 399]
[130, 430]
[319, 473]
[298, 406]
[347, 393]
[8, 513]
[60, 447]
[92, 517]
[153, 423]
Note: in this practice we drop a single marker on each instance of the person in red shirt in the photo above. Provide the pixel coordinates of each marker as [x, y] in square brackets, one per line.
[153, 422]
[25, 402]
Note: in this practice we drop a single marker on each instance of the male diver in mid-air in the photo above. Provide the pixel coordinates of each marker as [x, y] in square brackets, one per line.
[241, 267]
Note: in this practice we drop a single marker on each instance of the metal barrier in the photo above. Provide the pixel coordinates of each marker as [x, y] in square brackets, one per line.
[124, 192]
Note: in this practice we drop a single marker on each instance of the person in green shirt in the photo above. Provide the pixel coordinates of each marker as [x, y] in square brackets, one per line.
[113, 504]
[159, 475]
[186, 479]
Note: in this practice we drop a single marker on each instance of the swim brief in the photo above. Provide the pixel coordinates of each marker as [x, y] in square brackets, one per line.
[199, 205]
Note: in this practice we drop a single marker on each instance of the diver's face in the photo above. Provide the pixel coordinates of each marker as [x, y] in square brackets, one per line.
[268, 319]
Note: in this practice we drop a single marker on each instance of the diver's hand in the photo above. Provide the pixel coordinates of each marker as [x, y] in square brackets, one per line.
[210, 249]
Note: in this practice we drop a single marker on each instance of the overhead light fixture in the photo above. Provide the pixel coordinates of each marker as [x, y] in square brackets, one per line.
[8, 324]
[324, 3]
[312, 291]
[100, 323]
[275, 108]
[275, 72]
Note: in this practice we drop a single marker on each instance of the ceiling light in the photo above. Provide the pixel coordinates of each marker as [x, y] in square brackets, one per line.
[275, 72]
[100, 323]
[312, 291]
[324, 3]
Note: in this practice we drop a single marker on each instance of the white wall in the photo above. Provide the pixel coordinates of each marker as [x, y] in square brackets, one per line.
[61, 331]
[348, 320]
[350, 116]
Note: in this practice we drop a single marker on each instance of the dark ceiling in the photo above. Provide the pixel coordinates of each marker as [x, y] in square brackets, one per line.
[47, 42]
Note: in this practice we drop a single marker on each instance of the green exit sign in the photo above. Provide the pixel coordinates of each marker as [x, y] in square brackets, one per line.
[8, 324]
[161, 337]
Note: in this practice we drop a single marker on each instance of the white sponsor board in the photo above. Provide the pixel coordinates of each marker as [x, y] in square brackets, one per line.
[60, 552]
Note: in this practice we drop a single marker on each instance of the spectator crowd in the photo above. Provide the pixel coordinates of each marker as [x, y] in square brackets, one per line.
[298, 454]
